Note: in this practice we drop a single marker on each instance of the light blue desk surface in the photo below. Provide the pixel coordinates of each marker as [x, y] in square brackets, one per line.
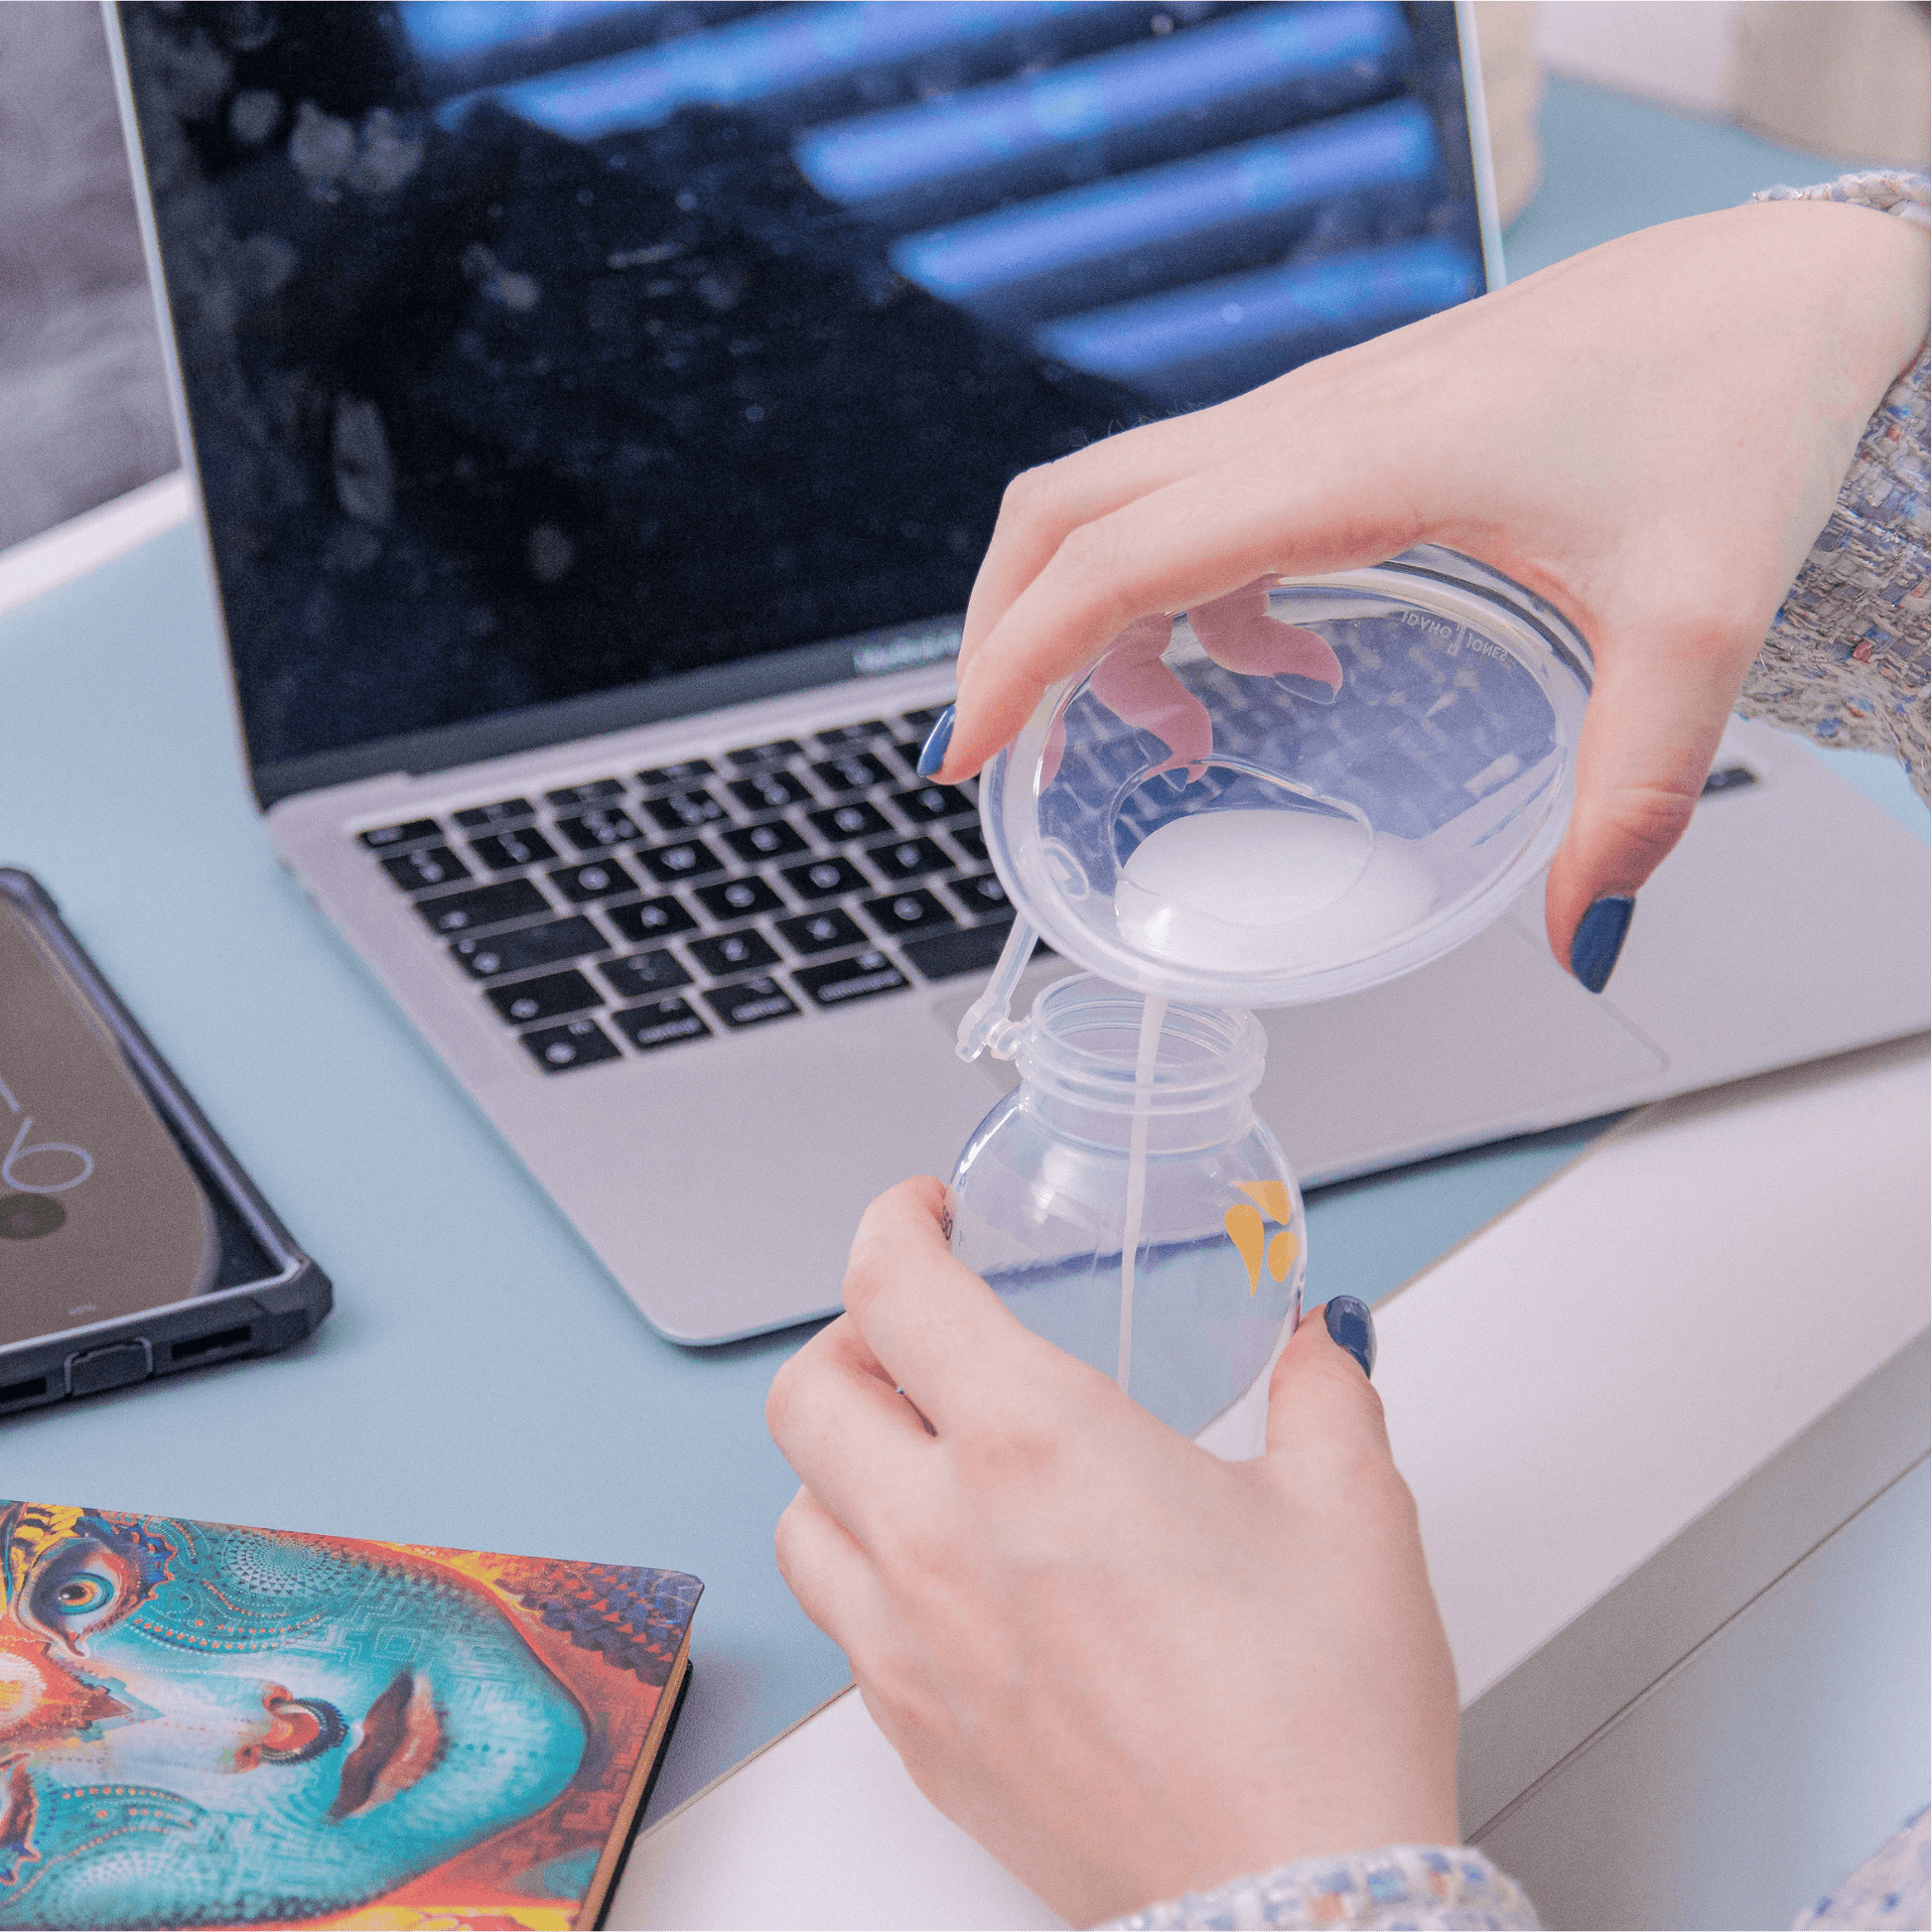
[1612, 163]
[481, 1382]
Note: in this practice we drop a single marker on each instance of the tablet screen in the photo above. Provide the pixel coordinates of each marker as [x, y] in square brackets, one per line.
[103, 1212]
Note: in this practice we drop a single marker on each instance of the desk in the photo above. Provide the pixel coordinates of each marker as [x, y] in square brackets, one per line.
[481, 1382]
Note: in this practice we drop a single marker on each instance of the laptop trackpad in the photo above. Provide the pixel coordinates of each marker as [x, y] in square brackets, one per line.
[1492, 1039]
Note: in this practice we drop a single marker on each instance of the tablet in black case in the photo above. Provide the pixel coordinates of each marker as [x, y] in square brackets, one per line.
[131, 1242]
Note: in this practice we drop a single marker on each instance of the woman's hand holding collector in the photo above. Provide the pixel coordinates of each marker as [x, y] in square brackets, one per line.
[1650, 435]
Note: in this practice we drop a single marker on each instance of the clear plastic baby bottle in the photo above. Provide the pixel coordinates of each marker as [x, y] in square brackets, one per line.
[1129, 1205]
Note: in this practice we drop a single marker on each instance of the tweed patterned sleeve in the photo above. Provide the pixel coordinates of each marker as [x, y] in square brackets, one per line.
[1890, 1889]
[1433, 1889]
[1845, 658]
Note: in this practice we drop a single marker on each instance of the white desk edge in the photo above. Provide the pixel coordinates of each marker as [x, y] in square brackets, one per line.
[1567, 1391]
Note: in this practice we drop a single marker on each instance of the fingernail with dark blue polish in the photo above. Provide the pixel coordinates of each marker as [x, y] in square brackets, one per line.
[932, 754]
[1599, 938]
[1351, 1326]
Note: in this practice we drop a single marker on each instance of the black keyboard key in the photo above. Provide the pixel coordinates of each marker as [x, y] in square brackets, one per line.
[982, 895]
[825, 878]
[966, 949]
[898, 859]
[673, 864]
[593, 831]
[846, 980]
[579, 1043]
[385, 836]
[662, 1024]
[738, 899]
[931, 804]
[828, 932]
[512, 899]
[641, 973]
[427, 866]
[770, 791]
[499, 851]
[749, 1003]
[912, 911]
[855, 772]
[777, 747]
[840, 822]
[919, 723]
[733, 952]
[754, 843]
[685, 811]
[970, 840]
[529, 947]
[591, 792]
[544, 999]
[842, 737]
[499, 813]
[598, 879]
[654, 918]
[686, 772]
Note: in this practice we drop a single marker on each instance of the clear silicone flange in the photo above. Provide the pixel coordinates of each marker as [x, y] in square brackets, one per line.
[1298, 793]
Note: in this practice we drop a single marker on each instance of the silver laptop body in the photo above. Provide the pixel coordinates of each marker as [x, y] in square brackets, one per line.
[698, 948]
[720, 1182]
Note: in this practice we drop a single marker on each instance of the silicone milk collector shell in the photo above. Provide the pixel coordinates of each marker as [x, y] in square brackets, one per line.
[1298, 791]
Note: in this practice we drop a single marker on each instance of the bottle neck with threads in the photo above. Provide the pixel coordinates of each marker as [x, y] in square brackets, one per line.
[1094, 1057]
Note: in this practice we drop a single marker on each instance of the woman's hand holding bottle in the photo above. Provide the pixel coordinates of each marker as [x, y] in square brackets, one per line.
[1128, 1668]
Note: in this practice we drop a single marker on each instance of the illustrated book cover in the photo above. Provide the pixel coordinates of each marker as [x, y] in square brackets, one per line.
[202, 1724]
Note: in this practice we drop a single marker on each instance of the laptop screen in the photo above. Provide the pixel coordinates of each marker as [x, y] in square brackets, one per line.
[542, 351]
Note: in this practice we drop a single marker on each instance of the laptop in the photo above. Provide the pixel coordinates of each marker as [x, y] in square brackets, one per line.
[599, 412]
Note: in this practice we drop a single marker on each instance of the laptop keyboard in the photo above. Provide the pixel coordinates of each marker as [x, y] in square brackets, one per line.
[646, 911]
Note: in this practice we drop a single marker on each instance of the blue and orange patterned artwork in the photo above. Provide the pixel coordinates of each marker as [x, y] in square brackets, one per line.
[208, 1725]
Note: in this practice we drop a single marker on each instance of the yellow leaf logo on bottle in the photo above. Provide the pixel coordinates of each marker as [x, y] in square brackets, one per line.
[1248, 1230]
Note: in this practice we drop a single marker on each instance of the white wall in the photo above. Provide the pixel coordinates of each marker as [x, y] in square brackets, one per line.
[1676, 50]
[1843, 78]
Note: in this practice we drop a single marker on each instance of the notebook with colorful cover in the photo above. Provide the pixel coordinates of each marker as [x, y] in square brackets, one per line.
[202, 1724]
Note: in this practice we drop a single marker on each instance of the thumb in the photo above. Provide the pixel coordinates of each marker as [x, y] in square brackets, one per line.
[1319, 1401]
[1648, 740]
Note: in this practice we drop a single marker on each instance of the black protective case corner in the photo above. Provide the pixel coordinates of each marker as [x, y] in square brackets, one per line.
[224, 1325]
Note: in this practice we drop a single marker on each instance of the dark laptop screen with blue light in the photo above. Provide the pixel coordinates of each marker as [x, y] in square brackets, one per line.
[542, 351]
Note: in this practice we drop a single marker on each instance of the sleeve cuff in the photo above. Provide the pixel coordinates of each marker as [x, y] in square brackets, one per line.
[1846, 660]
[1891, 190]
[1434, 1888]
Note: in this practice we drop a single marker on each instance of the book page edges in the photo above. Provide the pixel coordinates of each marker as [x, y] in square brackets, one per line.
[615, 1846]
